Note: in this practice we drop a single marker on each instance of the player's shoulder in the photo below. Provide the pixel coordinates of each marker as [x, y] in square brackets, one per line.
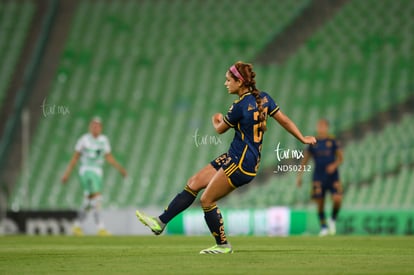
[335, 140]
[266, 98]
[269, 102]
[332, 138]
[82, 142]
[103, 138]
[84, 137]
[264, 95]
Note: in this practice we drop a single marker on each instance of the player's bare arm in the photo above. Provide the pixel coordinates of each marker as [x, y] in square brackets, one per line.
[70, 167]
[338, 160]
[111, 160]
[305, 160]
[288, 124]
[219, 125]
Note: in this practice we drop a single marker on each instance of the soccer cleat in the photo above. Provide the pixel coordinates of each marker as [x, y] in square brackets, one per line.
[218, 249]
[156, 227]
[332, 227]
[324, 232]
[104, 232]
[77, 231]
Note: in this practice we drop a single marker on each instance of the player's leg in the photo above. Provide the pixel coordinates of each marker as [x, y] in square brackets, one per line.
[85, 181]
[184, 199]
[96, 202]
[318, 195]
[181, 201]
[336, 205]
[320, 203]
[96, 207]
[218, 188]
[81, 216]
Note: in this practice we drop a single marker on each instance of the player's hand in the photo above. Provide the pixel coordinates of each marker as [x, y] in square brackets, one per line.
[299, 182]
[217, 118]
[309, 140]
[330, 169]
[123, 173]
[65, 178]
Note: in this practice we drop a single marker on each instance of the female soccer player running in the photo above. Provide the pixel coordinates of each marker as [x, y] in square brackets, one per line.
[247, 116]
[91, 149]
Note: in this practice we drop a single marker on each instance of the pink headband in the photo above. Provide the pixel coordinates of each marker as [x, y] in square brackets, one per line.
[236, 73]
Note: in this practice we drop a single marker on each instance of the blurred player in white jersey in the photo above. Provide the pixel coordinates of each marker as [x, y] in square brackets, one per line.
[92, 149]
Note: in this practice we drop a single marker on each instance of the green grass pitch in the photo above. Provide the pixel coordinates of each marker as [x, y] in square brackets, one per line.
[179, 255]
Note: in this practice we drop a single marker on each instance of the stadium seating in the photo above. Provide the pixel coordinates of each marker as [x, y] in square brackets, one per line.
[15, 18]
[156, 80]
[149, 80]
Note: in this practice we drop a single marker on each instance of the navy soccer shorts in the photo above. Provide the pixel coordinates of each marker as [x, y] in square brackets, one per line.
[232, 170]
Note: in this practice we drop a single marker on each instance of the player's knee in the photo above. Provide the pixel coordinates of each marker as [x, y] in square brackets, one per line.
[337, 198]
[191, 182]
[205, 201]
[320, 203]
[96, 202]
[195, 183]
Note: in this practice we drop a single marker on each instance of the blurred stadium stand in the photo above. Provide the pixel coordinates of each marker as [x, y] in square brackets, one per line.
[154, 70]
[15, 19]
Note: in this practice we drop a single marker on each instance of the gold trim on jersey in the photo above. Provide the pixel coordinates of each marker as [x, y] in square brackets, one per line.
[242, 96]
[228, 122]
[235, 102]
[242, 134]
[274, 111]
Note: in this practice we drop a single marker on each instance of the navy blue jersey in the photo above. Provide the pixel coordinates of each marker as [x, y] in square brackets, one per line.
[243, 117]
[323, 153]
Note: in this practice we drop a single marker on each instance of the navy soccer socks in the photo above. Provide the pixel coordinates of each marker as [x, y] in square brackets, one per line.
[335, 211]
[215, 223]
[322, 219]
[181, 202]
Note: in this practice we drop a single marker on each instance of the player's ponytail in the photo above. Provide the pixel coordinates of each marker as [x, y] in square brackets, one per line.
[262, 114]
[247, 75]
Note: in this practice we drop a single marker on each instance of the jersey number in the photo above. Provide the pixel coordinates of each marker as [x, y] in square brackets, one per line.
[257, 133]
